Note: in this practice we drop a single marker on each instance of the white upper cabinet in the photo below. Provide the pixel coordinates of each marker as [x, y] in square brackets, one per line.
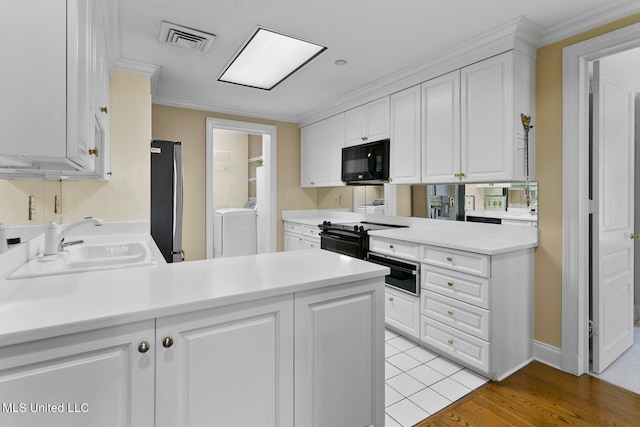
[441, 128]
[52, 91]
[472, 130]
[321, 153]
[367, 123]
[405, 136]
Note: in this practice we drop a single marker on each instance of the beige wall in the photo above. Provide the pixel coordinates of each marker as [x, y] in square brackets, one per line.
[189, 126]
[548, 127]
[230, 169]
[126, 196]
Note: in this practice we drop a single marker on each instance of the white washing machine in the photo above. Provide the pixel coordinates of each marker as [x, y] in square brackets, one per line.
[234, 232]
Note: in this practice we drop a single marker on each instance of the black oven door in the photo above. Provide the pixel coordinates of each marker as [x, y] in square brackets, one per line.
[404, 275]
[352, 246]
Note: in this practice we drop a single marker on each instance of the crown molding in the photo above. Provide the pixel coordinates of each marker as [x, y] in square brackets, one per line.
[254, 114]
[589, 21]
[519, 33]
[150, 70]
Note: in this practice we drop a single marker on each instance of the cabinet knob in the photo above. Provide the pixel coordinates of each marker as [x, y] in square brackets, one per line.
[104, 110]
[143, 347]
[635, 236]
[449, 342]
[449, 259]
[167, 342]
[364, 138]
[457, 175]
[391, 246]
[450, 313]
[93, 151]
[449, 284]
[461, 175]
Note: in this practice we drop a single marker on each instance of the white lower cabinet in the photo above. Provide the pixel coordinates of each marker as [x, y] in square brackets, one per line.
[232, 365]
[98, 378]
[300, 236]
[339, 348]
[477, 309]
[402, 312]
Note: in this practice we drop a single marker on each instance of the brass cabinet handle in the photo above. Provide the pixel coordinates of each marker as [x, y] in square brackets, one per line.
[450, 313]
[449, 284]
[390, 299]
[461, 175]
[635, 236]
[457, 175]
[93, 151]
[364, 138]
[449, 342]
[167, 342]
[104, 110]
[391, 246]
[449, 259]
[143, 347]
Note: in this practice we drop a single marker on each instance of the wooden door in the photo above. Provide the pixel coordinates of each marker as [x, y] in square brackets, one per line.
[612, 223]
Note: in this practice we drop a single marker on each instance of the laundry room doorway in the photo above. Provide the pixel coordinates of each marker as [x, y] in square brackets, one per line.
[263, 183]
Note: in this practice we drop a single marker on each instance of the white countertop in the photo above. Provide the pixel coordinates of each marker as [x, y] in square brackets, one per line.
[502, 215]
[49, 306]
[485, 243]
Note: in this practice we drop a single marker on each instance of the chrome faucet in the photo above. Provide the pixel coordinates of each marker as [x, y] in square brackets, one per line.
[55, 233]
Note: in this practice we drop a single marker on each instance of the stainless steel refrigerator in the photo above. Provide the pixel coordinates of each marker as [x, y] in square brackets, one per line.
[166, 198]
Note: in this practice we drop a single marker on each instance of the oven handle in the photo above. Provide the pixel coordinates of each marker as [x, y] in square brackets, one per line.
[392, 262]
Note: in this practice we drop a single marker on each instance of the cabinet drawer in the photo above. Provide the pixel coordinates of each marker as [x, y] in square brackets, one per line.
[465, 317]
[456, 344]
[466, 262]
[398, 248]
[310, 231]
[402, 311]
[293, 227]
[464, 287]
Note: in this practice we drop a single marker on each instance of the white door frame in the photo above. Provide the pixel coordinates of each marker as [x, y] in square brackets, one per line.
[575, 189]
[269, 156]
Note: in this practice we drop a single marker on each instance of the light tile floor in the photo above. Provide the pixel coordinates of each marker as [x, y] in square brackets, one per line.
[419, 383]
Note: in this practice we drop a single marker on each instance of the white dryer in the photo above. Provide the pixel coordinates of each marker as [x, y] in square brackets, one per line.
[234, 232]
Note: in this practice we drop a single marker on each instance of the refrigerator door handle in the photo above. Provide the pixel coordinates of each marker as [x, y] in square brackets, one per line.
[177, 203]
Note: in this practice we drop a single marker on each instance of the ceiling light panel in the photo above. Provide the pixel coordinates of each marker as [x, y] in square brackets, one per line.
[268, 58]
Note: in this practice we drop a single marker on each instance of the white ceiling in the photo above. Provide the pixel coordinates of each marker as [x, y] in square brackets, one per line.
[377, 38]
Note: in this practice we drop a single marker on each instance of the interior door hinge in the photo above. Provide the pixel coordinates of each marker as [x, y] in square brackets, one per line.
[593, 207]
[592, 330]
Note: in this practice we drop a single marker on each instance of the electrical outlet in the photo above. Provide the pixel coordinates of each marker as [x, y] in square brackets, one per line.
[32, 208]
[452, 202]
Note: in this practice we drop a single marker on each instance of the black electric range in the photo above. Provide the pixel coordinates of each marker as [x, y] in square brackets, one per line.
[351, 238]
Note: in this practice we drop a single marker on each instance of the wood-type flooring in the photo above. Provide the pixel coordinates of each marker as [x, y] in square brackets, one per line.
[539, 395]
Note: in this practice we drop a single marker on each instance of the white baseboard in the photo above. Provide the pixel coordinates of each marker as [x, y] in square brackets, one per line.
[547, 354]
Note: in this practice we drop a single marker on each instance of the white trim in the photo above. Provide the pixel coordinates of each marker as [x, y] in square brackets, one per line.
[589, 21]
[575, 187]
[547, 354]
[194, 105]
[270, 157]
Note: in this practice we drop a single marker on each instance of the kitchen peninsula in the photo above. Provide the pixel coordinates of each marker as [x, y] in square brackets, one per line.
[231, 340]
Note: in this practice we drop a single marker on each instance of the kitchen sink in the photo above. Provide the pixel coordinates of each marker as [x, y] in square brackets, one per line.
[88, 257]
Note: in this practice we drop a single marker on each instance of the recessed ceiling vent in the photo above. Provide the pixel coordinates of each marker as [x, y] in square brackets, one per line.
[186, 38]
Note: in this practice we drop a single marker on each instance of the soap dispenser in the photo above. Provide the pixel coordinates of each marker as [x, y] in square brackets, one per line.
[3, 238]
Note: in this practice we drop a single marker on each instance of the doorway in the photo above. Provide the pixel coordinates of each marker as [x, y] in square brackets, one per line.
[576, 182]
[267, 197]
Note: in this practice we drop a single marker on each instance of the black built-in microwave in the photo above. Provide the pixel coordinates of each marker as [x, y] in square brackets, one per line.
[366, 163]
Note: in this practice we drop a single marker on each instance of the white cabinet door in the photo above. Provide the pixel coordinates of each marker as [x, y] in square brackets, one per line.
[488, 137]
[402, 311]
[96, 378]
[311, 156]
[230, 366]
[339, 347]
[334, 145]
[367, 123]
[441, 129]
[405, 136]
